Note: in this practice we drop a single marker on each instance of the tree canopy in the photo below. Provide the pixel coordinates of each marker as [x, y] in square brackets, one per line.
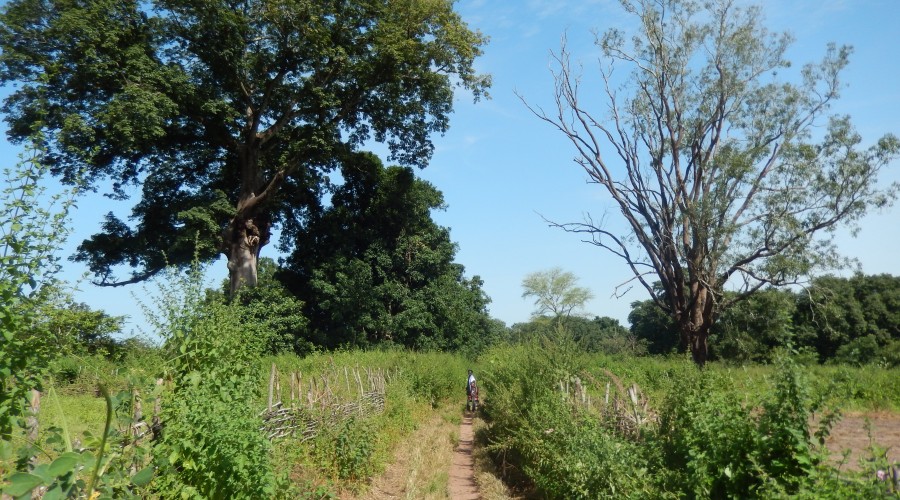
[555, 292]
[727, 175]
[225, 115]
[378, 269]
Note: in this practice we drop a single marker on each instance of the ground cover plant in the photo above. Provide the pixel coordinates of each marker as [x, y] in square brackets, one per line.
[568, 425]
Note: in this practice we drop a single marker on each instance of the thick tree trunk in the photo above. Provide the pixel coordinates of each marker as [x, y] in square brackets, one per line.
[243, 239]
[699, 351]
[696, 325]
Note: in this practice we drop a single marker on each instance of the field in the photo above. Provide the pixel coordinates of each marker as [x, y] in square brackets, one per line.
[557, 423]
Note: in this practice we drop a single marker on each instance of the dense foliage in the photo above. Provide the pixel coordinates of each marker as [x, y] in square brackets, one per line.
[30, 237]
[849, 320]
[235, 135]
[380, 270]
[687, 434]
[210, 445]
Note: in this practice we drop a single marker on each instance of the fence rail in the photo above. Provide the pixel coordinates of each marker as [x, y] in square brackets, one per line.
[324, 400]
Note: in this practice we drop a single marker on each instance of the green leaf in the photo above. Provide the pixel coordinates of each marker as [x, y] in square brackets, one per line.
[21, 483]
[65, 463]
[55, 492]
[143, 477]
[43, 471]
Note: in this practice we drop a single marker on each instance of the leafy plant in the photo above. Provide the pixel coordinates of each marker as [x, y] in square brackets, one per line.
[111, 465]
[32, 228]
[211, 445]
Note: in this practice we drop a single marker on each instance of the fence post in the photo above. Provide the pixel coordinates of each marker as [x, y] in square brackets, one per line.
[272, 374]
[31, 422]
[155, 425]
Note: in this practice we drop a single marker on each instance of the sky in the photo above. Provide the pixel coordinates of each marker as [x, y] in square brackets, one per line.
[504, 172]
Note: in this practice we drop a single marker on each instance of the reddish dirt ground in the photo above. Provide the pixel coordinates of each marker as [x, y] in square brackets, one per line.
[851, 433]
[462, 470]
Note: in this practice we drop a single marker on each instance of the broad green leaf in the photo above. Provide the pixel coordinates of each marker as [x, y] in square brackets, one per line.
[43, 471]
[21, 483]
[143, 477]
[65, 463]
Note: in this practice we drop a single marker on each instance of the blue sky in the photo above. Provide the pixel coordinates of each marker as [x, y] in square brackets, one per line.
[501, 169]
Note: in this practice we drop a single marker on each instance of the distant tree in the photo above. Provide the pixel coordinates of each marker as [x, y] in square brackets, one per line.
[379, 269]
[555, 292]
[752, 329]
[530, 330]
[75, 327]
[605, 334]
[710, 157]
[226, 114]
[651, 324]
[838, 311]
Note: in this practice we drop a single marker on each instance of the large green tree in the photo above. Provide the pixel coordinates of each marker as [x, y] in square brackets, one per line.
[727, 175]
[379, 269]
[226, 114]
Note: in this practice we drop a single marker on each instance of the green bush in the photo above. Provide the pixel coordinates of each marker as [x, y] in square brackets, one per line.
[721, 432]
[435, 377]
[211, 445]
[706, 437]
[354, 449]
[33, 226]
[564, 452]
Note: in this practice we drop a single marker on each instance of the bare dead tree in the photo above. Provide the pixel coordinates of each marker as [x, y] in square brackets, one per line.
[711, 158]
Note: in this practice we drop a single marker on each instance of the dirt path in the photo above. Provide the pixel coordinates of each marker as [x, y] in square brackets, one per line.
[462, 469]
[430, 464]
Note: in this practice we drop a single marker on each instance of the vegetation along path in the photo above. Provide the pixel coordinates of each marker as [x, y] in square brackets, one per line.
[435, 462]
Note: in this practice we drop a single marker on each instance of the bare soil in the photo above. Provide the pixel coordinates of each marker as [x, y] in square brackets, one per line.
[852, 434]
[462, 469]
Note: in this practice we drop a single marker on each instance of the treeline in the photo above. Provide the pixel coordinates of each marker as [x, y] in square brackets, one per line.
[852, 320]
[846, 320]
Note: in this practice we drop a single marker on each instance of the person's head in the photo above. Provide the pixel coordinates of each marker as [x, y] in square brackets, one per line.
[470, 372]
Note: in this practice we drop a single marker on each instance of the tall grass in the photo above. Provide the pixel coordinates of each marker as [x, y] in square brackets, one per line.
[718, 433]
[721, 432]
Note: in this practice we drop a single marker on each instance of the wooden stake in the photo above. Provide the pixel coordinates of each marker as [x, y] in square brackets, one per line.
[272, 375]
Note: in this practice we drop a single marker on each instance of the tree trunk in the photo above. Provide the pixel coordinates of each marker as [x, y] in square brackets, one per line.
[242, 240]
[699, 352]
[696, 324]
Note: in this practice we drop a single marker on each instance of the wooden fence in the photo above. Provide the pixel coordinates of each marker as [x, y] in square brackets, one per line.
[627, 408]
[323, 400]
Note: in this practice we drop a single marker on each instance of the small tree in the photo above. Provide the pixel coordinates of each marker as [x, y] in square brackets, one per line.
[555, 292]
[716, 171]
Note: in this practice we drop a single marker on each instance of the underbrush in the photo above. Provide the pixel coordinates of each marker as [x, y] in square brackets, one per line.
[569, 425]
[725, 431]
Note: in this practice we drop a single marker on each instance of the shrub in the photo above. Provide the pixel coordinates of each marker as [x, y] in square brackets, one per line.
[434, 376]
[30, 236]
[564, 451]
[706, 437]
[211, 445]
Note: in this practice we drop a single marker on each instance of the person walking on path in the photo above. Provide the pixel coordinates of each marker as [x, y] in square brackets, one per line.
[471, 392]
